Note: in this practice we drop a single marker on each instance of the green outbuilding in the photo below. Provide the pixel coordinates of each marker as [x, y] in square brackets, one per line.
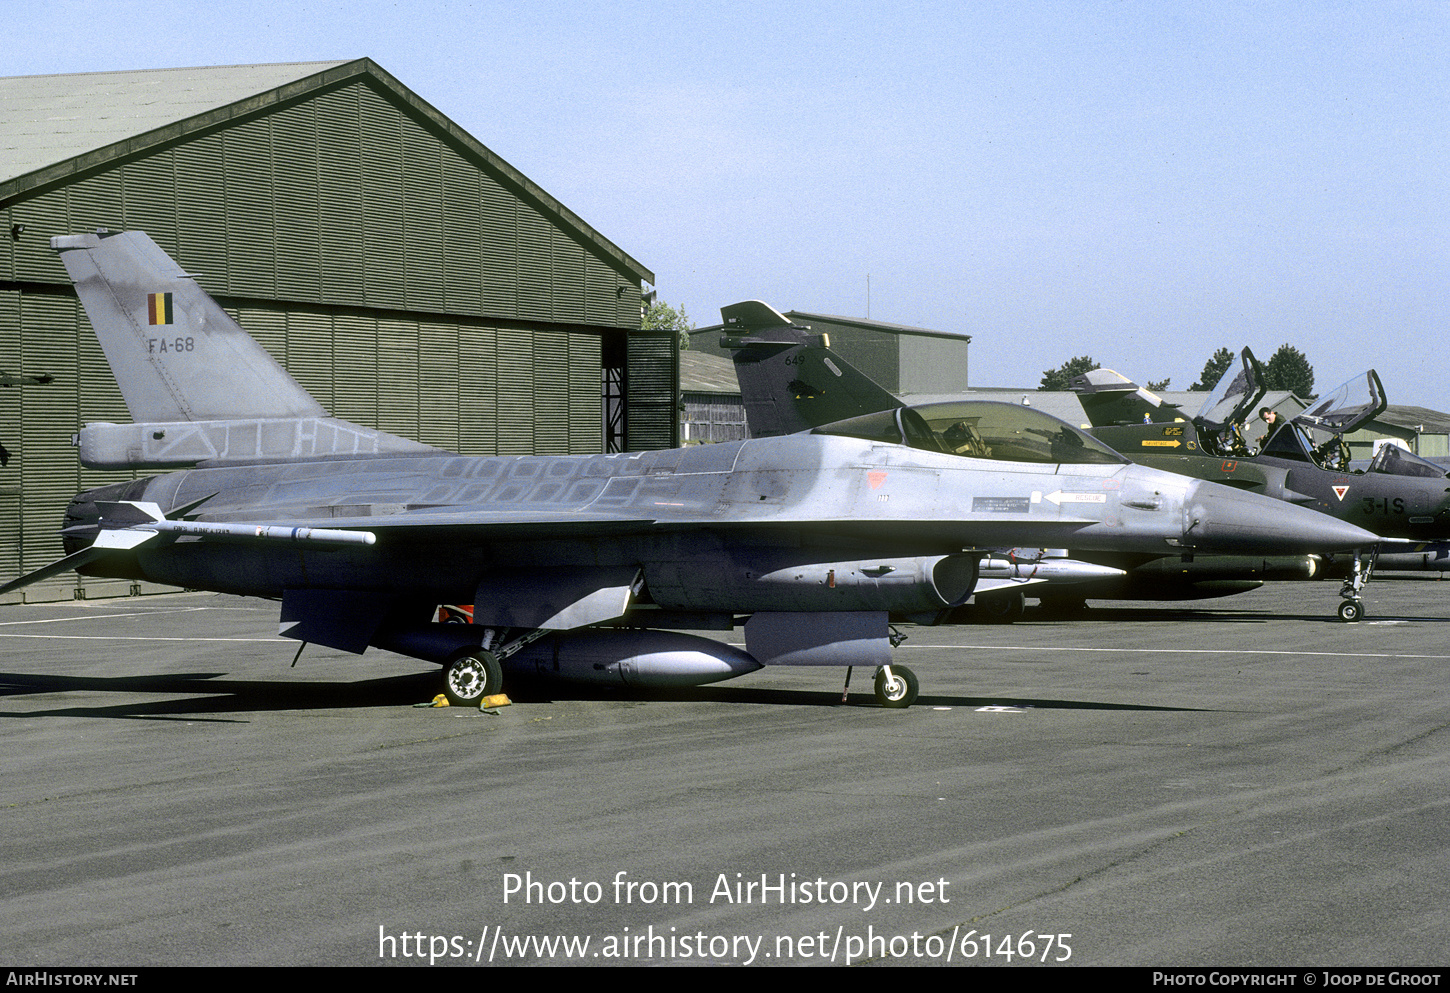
[403, 273]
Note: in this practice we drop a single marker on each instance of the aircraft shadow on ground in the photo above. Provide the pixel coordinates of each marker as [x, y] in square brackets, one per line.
[212, 696]
[1117, 615]
[216, 694]
[745, 694]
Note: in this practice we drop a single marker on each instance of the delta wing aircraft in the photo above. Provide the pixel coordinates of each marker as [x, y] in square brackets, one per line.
[578, 567]
[1397, 494]
[791, 381]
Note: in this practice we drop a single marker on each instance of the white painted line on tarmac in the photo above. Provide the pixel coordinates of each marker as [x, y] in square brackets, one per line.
[1172, 651]
[112, 637]
[106, 617]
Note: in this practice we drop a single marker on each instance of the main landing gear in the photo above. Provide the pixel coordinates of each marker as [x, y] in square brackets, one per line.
[1352, 609]
[472, 676]
[475, 673]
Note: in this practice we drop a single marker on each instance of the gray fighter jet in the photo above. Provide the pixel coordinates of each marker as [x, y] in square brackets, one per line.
[791, 381]
[579, 567]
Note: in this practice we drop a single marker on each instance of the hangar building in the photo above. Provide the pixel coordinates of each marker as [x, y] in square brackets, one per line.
[404, 274]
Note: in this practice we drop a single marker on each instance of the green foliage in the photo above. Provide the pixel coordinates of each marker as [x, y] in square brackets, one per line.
[660, 316]
[1158, 385]
[1057, 379]
[1289, 369]
[1213, 371]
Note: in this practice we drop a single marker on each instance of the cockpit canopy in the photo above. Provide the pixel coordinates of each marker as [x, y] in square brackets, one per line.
[981, 429]
[1318, 434]
[1396, 461]
[1342, 410]
[1295, 443]
[1239, 388]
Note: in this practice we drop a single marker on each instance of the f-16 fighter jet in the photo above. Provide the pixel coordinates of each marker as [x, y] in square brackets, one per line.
[580, 567]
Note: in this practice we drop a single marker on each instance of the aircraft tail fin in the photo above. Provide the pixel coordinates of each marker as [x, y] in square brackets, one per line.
[1109, 397]
[177, 355]
[790, 379]
[197, 385]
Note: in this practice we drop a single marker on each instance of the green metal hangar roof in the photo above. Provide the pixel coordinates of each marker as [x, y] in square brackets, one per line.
[405, 274]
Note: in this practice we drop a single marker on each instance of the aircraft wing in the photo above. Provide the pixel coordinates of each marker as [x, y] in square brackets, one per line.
[128, 525]
[125, 526]
[492, 526]
[986, 531]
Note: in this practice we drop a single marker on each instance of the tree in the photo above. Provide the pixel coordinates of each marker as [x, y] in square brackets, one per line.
[1158, 385]
[1290, 370]
[1057, 379]
[1213, 371]
[660, 316]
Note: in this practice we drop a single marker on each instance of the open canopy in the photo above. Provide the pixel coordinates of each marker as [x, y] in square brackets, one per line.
[1239, 388]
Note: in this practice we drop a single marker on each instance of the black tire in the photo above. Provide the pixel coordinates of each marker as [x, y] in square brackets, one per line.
[1351, 611]
[1003, 608]
[472, 676]
[900, 691]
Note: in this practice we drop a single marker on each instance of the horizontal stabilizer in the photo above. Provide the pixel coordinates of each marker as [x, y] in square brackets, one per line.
[125, 513]
[128, 524]
[181, 444]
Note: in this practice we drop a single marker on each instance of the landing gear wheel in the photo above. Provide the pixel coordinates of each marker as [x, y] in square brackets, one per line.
[1003, 608]
[897, 691]
[1351, 611]
[471, 677]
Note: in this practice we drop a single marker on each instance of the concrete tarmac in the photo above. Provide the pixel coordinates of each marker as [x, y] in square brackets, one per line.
[1236, 782]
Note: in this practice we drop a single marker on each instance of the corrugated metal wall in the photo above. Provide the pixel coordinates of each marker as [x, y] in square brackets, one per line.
[339, 200]
[652, 414]
[399, 280]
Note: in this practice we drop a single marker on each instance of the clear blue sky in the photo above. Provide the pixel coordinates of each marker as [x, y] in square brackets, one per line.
[1140, 182]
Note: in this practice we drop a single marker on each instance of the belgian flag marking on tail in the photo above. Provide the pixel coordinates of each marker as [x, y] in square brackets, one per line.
[158, 306]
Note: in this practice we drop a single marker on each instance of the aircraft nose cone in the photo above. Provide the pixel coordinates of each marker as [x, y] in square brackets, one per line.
[1220, 518]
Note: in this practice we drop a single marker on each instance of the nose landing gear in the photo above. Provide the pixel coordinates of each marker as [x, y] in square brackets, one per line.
[1352, 609]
